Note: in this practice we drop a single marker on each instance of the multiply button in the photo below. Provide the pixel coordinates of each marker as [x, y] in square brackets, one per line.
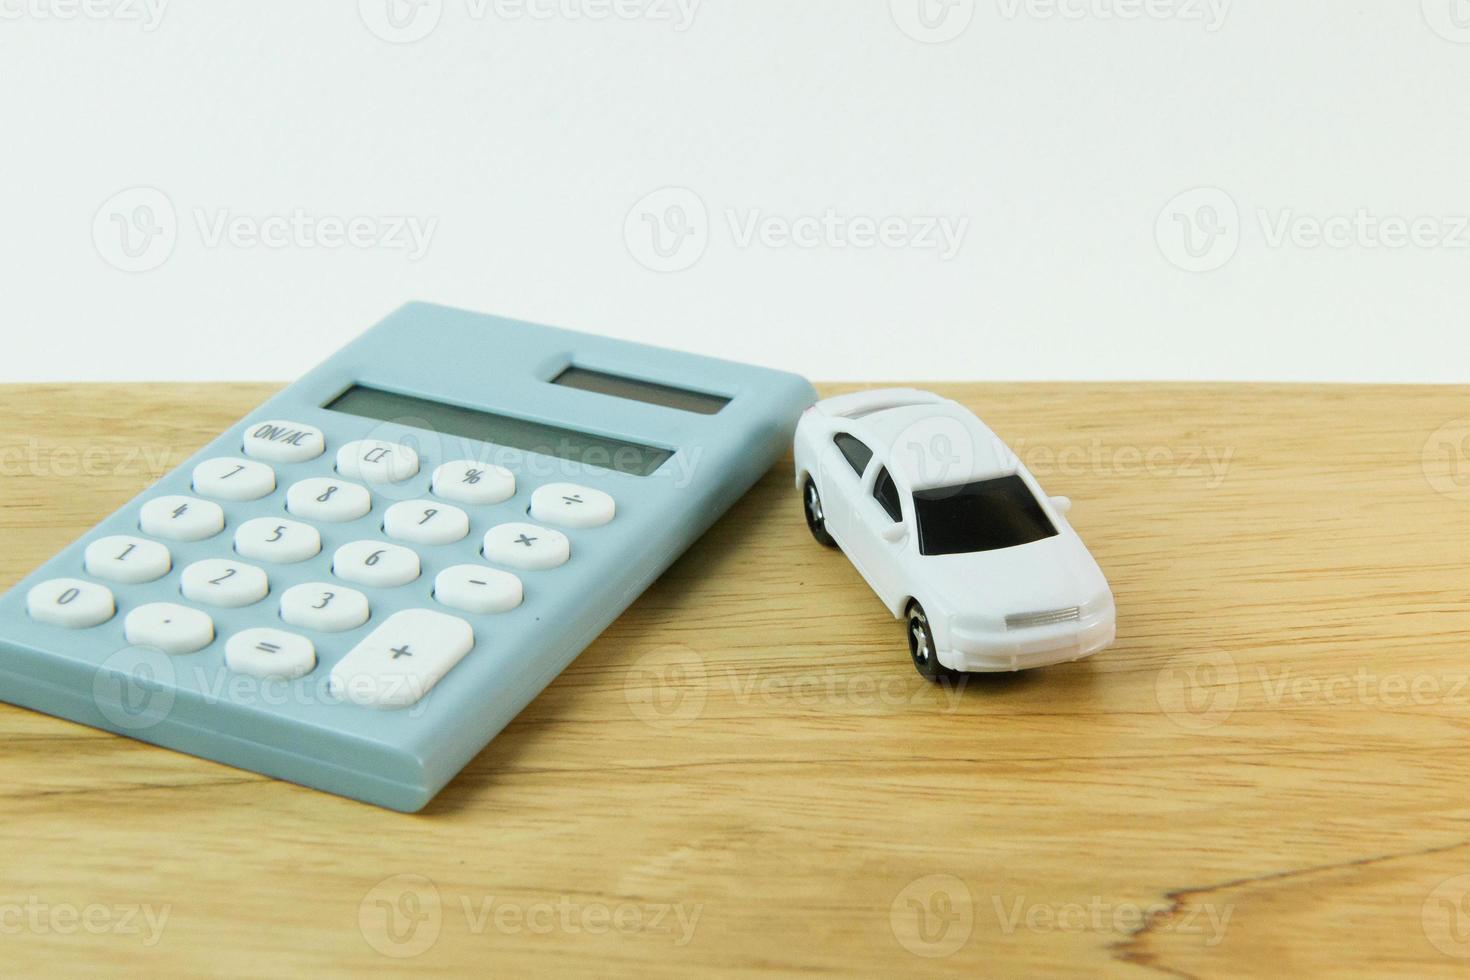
[284, 442]
[526, 546]
[569, 505]
[377, 461]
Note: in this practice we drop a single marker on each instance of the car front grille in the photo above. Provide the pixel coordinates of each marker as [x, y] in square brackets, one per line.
[1026, 621]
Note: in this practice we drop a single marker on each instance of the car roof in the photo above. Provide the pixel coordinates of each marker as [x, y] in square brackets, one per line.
[941, 444]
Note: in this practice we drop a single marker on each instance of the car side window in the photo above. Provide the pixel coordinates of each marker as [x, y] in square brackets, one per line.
[853, 450]
[886, 494]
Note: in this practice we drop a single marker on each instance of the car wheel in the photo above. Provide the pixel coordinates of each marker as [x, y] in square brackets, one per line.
[921, 647]
[816, 520]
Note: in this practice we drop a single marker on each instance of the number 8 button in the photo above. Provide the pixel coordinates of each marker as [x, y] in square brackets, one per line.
[375, 563]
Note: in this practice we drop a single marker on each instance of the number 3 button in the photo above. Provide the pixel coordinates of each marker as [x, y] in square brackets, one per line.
[323, 606]
[375, 563]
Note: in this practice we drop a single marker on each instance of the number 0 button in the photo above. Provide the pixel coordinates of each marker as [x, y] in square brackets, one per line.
[70, 602]
[375, 563]
[229, 584]
[323, 606]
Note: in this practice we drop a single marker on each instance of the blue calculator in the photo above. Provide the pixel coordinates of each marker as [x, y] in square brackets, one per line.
[361, 583]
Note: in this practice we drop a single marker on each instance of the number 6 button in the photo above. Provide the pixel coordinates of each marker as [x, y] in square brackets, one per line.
[375, 563]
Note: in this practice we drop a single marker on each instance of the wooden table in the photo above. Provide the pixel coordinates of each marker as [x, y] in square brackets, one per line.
[1267, 775]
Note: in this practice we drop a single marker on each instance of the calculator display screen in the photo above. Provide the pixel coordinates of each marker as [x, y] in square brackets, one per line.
[641, 391]
[501, 430]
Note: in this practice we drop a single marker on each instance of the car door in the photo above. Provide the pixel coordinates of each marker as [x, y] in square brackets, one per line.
[844, 460]
[878, 510]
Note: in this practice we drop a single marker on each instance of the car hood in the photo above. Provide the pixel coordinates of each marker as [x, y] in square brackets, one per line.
[1054, 573]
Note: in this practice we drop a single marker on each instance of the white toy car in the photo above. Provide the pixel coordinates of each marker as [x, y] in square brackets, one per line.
[952, 532]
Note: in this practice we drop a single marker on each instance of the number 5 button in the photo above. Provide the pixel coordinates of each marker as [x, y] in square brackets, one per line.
[569, 505]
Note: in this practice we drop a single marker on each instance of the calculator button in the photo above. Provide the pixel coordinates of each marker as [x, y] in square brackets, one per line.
[375, 563]
[478, 589]
[267, 653]
[400, 661]
[169, 627]
[181, 518]
[377, 461]
[234, 479]
[220, 582]
[121, 558]
[70, 602]
[526, 546]
[284, 442]
[323, 606]
[324, 499]
[282, 542]
[426, 522]
[569, 505]
[469, 482]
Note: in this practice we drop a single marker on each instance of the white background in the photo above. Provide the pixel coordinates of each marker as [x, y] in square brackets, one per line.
[527, 135]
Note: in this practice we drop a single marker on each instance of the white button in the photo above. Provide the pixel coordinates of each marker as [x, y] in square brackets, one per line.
[70, 602]
[526, 546]
[377, 461]
[478, 589]
[265, 652]
[283, 442]
[234, 479]
[426, 522]
[470, 482]
[282, 542]
[220, 582]
[323, 606]
[121, 558]
[375, 563]
[569, 505]
[169, 627]
[322, 499]
[400, 661]
[181, 518]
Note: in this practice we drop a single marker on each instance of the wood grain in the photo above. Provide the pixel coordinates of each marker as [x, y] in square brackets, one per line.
[744, 775]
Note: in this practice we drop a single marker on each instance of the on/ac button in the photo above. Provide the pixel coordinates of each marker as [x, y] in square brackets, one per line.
[283, 442]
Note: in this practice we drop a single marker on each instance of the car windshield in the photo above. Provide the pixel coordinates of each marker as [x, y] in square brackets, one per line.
[984, 516]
